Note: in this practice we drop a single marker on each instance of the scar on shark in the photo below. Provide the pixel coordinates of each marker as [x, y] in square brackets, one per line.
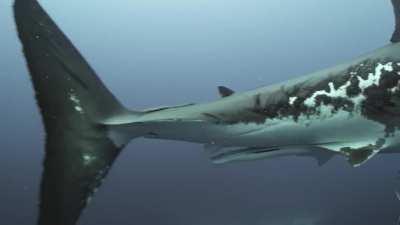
[352, 110]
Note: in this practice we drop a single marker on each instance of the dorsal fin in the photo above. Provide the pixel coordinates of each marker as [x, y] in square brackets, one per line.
[396, 33]
[225, 92]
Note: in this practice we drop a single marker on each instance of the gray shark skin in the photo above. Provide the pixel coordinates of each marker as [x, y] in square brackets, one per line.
[352, 109]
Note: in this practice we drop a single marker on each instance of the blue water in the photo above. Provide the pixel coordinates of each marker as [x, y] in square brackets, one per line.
[158, 52]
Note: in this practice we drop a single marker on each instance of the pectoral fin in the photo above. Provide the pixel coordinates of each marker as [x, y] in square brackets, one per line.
[357, 156]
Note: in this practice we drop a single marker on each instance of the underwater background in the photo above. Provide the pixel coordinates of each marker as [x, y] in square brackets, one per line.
[159, 52]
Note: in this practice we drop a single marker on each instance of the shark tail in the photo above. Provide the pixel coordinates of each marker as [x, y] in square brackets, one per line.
[73, 103]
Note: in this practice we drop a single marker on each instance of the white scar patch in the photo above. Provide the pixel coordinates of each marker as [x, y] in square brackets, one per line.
[333, 93]
[292, 100]
[374, 78]
[77, 103]
[88, 159]
[79, 109]
[395, 88]
[341, 92]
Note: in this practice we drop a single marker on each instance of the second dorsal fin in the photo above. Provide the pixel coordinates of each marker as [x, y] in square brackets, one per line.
[225, 92]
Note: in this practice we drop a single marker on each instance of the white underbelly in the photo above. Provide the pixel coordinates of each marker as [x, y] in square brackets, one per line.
[332, 130]
[342, 127]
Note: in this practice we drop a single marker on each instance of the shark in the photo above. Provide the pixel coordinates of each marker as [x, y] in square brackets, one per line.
[351, 109]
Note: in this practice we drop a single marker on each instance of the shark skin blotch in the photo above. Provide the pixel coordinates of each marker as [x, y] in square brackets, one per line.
[352, 110]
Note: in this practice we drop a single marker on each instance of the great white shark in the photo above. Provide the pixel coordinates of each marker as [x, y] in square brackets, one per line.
[352, 109]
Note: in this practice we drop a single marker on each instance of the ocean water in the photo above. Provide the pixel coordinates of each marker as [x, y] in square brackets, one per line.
[156, 52]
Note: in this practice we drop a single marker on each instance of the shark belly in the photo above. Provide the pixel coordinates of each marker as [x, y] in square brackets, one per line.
[319, 136]
[339, 129]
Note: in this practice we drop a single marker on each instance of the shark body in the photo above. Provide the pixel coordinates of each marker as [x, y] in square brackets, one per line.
[352, 109]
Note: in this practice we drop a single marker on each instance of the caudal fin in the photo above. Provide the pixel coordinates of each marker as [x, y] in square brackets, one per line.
[72, 100]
